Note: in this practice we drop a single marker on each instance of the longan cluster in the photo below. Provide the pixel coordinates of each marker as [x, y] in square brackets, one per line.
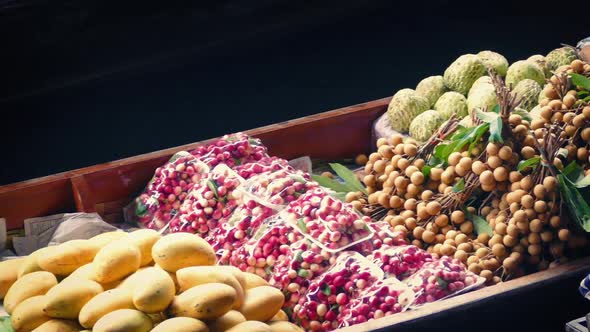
[561, 106]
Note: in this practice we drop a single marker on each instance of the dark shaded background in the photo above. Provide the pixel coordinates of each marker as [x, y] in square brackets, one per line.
[85, 82]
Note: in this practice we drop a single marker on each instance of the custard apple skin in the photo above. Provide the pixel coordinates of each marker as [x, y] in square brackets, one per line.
[484, 80]
[467, 122]
[528, 92]
[431, 88]
[449, 103]
[404, 106]
[494, 61]
[560, 57]
[425, 124]
[523, 69]
[482, 97]
[541, 62]
[461, 74]
[535, 113]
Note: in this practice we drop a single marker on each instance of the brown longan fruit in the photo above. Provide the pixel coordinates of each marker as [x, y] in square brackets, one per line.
[475, 268]
[585, 134]
[433, 208]
[478, 167]
[417, 178]
[361, 159]
[447, 250]
[509, 241]
[466, 163]
[534, 249]
[487, 177]
[441, 220]
[396, 139]
[500, 174]
[555, 104]
[467, 247]
[487, 274]
[410, 223]
[534, 238]
[461, 255]
[494, 162]
[418, 231]
[536, 226]
[466, 227]
[547, 236]
[461, 238]
[454, 158]
[540, 206]
[499, 250]
[563, 234]
[539, 191]
[505, 153]
[586, 112]
[403, 163]
[428, 236]
[483, 238]
[510, 264]
[546, 112]
[457, 217]
[410, 149]
[492, 149]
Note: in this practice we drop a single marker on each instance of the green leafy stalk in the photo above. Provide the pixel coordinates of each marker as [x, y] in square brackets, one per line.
[349, 178]
[326, 182]
[529, 163]
[580, 80]
[213, 187]
[576, 204]
[480, 225]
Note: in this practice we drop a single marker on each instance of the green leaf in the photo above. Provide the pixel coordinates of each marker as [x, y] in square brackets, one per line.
[426, 171]
[299, 256]
[5, 325]
[301, 224]
[326, 290]
[442, 283]
[496, 131]
[562, 152]
[523, 114]
[303, 273]
[480, 225]
[574, 174]
[487, 117]
[529, 163]
[496, 109]
[213, 187]
[587, 99]
[326, 182]
[140, 208]
[580, 80]
[349, 177]
[582, 94]
[339, 196]
[459, 186]
[576, 204]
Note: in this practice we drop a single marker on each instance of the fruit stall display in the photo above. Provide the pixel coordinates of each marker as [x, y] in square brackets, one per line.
[479, 178]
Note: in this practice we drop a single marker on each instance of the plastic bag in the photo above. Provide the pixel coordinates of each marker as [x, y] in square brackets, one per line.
[400, 262]
[238, 229]
[266, 164]
[210, 201]
[384, 298]
[320, 308]
[329, 222]
[383, 236]
[232, 150]
[276, 189]
[166, 191]
[442, 278]
[268, 247]
[304, 261]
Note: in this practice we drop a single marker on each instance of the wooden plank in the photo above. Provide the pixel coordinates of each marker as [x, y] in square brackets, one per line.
[511, 287]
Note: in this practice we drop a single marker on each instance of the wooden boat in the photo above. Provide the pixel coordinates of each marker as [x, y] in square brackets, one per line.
[342, 133]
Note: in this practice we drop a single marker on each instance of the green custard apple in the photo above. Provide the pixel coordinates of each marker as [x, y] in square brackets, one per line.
[404, 106]
[467, 122]
[541, 62]
[523, 69]
[484, 97]
[528, 92]
[461, 74]
[535, 113]
[425, 124]
[450, 103]
[494, 61]
[484, 80]
[560, 57]
[431, 88]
